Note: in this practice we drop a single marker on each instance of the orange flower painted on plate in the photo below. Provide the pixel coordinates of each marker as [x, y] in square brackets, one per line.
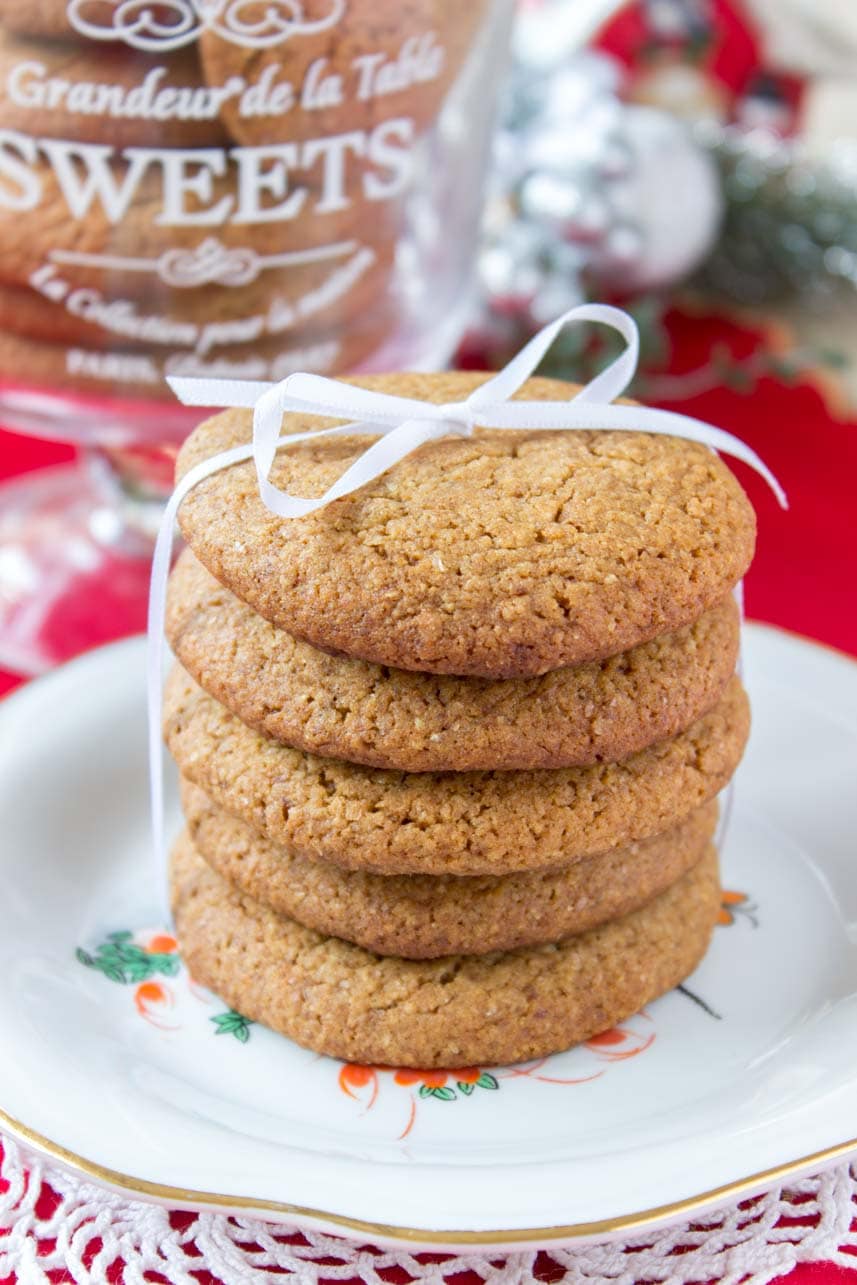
[152, 1000]
[162, 944]
[358, 1076]
[430, 1079]
[734, 906]
[353, 1077]
[467, 1075]
[607, 1038]
[363, 1083]
[447, 1085]
[620, 1043]
[138, 959]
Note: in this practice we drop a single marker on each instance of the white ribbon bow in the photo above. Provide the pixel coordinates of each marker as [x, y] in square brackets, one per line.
[400, 424]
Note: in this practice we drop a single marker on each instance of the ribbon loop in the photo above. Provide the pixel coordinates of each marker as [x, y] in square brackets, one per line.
[372, 412]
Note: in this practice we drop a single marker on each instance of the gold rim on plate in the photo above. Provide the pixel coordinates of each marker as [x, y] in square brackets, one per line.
[185, 1198]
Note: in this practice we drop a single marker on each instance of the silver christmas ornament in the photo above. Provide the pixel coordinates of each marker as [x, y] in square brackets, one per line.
[588, 188]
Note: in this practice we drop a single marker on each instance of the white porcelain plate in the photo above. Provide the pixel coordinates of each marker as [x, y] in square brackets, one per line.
[116, 1064]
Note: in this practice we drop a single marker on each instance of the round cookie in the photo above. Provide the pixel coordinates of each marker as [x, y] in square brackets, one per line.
[352, 65]
[336, 998]
[462, 823]
[426, 916]
[73, 91]
[350, 709]
[503, 555]
[30, 363]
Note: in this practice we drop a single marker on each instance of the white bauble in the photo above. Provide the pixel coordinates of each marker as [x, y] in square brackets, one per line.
[669, 197]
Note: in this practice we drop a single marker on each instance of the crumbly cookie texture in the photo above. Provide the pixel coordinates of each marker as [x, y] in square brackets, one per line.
[427, 916]
[336, 998]
[352, 709]
[464, 823]
[502, 555]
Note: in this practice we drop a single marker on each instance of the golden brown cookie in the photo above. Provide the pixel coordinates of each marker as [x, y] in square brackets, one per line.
[350, 66]
[351, 709]
[463, 823]
[504, 555]
[142, 372]
[425, 916]
[129, 98]
[339, 999]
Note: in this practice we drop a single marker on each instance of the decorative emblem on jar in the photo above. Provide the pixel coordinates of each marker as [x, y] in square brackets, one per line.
[175, 23]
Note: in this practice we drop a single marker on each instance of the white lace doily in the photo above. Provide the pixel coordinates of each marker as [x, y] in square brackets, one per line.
[810, 1220]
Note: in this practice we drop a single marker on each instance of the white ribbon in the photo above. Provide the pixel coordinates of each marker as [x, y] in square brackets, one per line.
[400, 424]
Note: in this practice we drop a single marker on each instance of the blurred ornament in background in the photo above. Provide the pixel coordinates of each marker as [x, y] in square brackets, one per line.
[590, 194]
[669, 199]
[790, 227]
[699, 154]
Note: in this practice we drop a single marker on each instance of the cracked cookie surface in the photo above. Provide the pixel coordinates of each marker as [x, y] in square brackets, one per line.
[338, 999]
[502, 555]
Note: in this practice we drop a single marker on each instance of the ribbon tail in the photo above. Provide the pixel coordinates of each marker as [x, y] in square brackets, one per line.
[374, 461]
[157, 613]
[646, 419]
[155, 696]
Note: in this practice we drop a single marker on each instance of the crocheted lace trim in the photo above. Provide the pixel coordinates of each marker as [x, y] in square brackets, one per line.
[49, 1220]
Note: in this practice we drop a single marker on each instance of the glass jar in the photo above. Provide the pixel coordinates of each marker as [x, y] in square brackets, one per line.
[236, 188]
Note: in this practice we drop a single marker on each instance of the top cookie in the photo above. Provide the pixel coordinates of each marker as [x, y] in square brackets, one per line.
[504, 555]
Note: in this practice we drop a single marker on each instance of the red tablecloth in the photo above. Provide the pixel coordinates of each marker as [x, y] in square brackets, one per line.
[803, 577]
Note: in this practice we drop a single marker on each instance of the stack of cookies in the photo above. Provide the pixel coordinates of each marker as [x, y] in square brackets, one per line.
[451, 746]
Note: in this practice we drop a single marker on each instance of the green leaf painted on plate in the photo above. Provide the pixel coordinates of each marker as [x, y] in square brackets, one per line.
[120, 960]
[487, 1081]
[169, 965]
[445, 1094]
[232, 1023]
